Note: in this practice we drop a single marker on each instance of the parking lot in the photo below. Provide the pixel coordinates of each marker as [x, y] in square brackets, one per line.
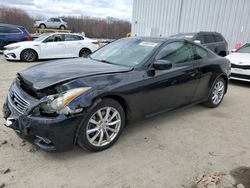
[169, 150]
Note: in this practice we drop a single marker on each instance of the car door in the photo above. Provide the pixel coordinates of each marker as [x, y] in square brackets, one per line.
[57, 23]
[50, 23]
[74, 44]
[54, 47]
[169, 89]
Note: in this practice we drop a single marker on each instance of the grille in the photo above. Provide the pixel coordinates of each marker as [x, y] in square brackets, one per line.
[240, 66]
[20, 103]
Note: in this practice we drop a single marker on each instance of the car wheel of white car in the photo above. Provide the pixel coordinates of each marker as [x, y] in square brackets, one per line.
[84, 52]
[42, 26]
[62, 27]
[28, 55]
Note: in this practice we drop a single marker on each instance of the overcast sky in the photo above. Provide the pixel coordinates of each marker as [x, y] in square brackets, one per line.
[97, 8]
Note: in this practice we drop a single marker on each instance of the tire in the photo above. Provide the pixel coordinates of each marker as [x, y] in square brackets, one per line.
[216, 94]
[222, 54]
[85, 52]
[98, 128]
[42, 26]
[28, 55]
[62, 27]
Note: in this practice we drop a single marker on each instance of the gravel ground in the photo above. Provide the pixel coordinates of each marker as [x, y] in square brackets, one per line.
[172, 150]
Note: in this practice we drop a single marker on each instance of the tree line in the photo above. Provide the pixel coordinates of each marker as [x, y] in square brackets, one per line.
[109, 27]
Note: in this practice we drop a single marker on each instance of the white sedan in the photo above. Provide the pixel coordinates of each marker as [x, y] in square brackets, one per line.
[50, 46]
[240, 63]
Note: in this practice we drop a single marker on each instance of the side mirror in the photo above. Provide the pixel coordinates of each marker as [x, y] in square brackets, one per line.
[162, 65]
[197, 41]
[234, 50]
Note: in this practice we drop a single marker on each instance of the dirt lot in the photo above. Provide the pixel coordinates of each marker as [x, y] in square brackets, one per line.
[169, 150]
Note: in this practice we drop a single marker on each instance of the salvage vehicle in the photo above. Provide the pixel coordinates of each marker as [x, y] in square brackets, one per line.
[50, 46]
[240, 63]
[211, 40]
[12, 33]
[53, 23]
[88, 101]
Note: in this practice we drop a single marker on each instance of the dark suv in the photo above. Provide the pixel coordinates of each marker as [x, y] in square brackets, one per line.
[12, 33]
[212, 40]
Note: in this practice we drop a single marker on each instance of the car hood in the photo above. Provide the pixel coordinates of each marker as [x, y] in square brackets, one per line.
[53, 72]
[23, 43]
[239, 58]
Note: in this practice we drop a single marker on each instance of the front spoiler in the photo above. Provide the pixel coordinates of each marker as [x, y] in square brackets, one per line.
[60, 130]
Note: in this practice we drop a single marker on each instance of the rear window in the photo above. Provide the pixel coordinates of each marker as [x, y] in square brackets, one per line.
[2, 29]
[209, 38]
[12, 30]
[57, 20]
[218, 38]
[72, 37]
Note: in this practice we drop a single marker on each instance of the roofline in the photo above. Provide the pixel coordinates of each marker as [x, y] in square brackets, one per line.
[11, 25]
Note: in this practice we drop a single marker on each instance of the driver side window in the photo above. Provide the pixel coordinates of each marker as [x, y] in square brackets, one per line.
[176, 53]
[54, 38]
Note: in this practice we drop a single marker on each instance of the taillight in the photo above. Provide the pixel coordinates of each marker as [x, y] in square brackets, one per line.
[27, 37]
[95, 42]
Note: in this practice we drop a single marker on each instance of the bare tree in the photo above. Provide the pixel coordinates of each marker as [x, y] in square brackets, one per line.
[92, 27]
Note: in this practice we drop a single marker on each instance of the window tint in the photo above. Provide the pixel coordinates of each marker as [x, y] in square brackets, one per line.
[200, 38]
[218, 38]
[199, 53]
[11, 30]
[54, 38]
[2, 29]
[56, 20]
[176, 52]
[72, 37]
[209, 38]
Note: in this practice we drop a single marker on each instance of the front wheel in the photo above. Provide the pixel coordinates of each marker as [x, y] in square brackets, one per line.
[103, 126]
[217, 93]
[62, 27]
[28, 55]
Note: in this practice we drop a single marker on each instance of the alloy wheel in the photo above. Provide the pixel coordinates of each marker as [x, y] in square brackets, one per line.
[29, 56]
[218, 92]
[103, 127]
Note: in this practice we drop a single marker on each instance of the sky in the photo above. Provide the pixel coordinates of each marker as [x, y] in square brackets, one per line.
[53, 8]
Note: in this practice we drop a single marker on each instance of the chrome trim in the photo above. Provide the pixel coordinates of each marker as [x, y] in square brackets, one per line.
[17, 101]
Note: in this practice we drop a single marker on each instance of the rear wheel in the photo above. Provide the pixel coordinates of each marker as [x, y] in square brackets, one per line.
[28, 55]
[103, 126]
[85, 52]
[217, 93]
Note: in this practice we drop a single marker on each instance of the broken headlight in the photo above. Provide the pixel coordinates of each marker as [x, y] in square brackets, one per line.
[58, 103]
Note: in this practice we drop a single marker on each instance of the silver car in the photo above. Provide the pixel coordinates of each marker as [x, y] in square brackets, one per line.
[55, 23]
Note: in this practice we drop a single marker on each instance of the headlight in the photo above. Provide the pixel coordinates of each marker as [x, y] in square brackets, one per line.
[58, 103]
[12, 47]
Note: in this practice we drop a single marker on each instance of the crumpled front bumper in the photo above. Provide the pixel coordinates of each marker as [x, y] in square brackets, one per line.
[52, 134]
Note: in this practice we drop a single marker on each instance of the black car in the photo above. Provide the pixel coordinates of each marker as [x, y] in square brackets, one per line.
[88, 101]
[212, 40]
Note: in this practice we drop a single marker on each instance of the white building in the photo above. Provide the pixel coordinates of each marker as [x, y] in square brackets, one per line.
[162, 18]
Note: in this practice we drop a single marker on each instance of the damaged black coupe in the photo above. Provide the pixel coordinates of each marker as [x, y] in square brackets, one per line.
[87, 101]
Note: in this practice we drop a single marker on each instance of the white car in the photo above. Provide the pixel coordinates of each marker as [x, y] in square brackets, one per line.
[50, 46]
[55, 23]
[240, 63]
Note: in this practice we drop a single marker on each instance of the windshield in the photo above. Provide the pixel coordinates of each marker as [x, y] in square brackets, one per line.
[244, 49]
[126, 52]
[42, 37]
